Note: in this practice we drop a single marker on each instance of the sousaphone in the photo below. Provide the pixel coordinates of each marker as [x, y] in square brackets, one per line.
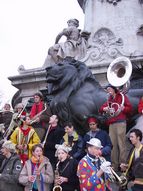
[118, 75]
[119, 72]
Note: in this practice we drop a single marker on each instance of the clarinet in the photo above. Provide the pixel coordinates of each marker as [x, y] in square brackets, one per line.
[34, 174]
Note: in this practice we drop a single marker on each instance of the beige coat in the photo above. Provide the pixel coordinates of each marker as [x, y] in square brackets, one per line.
[47, 173]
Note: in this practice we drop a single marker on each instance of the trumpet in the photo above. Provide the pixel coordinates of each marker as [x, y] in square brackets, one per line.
[56, 186]
[121, 180]
[114, 177]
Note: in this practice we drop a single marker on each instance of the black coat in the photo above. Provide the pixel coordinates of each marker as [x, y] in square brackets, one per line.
[54, 137]
[68, 169]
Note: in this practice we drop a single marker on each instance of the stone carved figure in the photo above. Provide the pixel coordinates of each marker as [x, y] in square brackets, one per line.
[75, 46]
[75, 92]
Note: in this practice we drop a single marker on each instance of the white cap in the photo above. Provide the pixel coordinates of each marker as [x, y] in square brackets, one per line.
[95, 142]
[62, 147]
[9, 145]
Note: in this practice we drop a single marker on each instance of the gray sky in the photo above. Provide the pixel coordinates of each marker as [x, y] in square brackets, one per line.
[28, 29]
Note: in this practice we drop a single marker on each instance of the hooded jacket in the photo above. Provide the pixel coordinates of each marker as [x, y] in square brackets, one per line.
[10, 170]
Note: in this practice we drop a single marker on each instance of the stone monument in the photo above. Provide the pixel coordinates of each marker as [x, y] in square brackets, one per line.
[112, 28]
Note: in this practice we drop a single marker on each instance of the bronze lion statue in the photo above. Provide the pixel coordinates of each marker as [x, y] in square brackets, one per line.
[75, 93]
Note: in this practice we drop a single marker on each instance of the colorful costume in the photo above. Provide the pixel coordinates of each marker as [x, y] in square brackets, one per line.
[105, 141]
[25, 137]
[87, 169]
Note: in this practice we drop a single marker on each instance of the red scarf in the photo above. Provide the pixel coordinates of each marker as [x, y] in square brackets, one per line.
[24, 158]
[36, 108]
[25, 131]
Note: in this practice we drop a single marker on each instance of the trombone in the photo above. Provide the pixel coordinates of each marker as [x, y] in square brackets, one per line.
[48, 130]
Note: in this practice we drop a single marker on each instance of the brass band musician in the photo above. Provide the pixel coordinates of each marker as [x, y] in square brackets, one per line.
[93, 170]
[24, 137]
[117, 123]
[40, 115]
[65, 173]
[135, 153]
[17, 118]
[37, 173]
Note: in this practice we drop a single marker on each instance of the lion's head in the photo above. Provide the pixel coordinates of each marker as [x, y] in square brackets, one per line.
[69, 73]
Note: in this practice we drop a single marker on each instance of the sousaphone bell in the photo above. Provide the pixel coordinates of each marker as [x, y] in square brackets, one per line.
[119, 72]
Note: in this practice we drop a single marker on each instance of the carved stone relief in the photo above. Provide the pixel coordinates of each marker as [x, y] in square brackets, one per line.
[104, 46]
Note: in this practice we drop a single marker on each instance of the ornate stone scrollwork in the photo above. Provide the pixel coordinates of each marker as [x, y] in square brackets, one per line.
[104, 46]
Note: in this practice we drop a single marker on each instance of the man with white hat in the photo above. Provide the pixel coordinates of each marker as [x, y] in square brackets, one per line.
[93, 171]
[10, 168]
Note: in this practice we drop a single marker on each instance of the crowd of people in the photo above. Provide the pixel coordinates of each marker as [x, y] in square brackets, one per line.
[40, 155]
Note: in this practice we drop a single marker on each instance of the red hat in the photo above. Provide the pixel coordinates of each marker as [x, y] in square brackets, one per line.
[92, 120]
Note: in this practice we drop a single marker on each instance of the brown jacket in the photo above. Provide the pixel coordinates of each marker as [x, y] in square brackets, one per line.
[46, 171]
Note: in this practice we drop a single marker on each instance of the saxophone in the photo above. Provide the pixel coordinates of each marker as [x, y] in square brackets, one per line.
[34, 119]
[56, 186]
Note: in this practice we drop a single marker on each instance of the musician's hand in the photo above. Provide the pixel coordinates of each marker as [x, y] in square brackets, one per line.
[105, 109]
[20, 147]
[57, 180]
[25, 147]
[63, 179]
[37, 172]
[122, 107]
[105, 166]
[37, 119]
[31, 178]
[123, 166]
